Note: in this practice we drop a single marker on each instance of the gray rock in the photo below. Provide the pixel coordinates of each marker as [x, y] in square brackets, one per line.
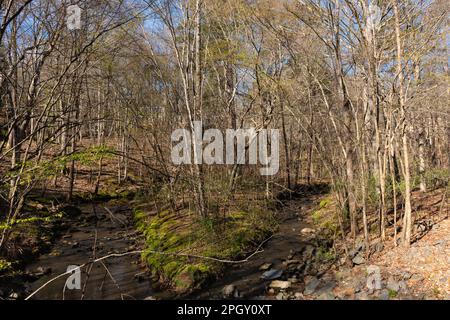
[393, 285]
[272, 274]
[228, 291]
[362, 296]
[403, 287]
[359, 260]
[406, 275]
[311, 286]
[358, 248]
[327, 289]
[384, 295]
[379, 247]
[150, 298]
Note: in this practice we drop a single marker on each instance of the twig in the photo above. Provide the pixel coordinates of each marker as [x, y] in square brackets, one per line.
[94, 255]
[113, 217]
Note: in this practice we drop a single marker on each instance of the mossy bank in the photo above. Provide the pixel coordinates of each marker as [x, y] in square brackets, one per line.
[182, 249]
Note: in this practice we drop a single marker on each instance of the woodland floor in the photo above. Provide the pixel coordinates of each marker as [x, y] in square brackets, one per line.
[298, 265]
[421, 272]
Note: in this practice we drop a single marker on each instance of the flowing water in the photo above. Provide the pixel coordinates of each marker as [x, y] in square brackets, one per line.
[100, 230]
[105, 228]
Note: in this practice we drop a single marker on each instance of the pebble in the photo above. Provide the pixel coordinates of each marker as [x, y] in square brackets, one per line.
[228, 291]
[359, 260]
[308, 231]
[272, 274]
[265, 266]
[283, 285]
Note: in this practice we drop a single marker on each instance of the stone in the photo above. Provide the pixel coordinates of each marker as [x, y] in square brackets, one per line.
[327, 296]
[345, 292]
[282, 285]
[280, 296]
[292, 262]
[272, 274]
[403, 287]
[359, 260]
[327, 289]
[299, 296]
[393, 285]
[228, 291]
[362, 296]
[355, 251]
[379, 247]
[150, 298]
[384, 295]
[311, 286]
[308, 231]
[265, 266]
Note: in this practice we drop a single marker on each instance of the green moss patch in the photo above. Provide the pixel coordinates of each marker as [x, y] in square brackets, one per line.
[174, 243]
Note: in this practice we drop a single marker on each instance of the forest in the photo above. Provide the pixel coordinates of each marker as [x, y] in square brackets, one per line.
[226, 149]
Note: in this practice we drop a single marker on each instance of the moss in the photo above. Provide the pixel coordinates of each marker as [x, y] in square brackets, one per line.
[325, 203]
[317, 217]
[325, 255]
[392, 294]
[29, 221]
[5, 266]
[167, 235]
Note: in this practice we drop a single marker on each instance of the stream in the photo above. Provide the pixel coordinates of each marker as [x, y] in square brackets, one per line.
[101, 229]
[105, 228]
